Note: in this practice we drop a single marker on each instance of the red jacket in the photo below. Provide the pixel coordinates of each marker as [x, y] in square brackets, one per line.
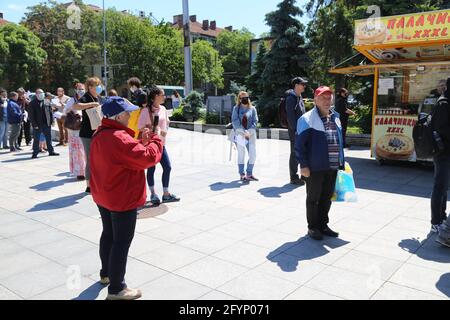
[118, 163]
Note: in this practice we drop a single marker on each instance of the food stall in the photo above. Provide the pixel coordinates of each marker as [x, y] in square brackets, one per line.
[410, 62]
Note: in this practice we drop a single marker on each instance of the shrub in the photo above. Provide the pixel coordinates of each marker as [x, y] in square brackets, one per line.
[177, 115]
[363, 118]
[194, 103]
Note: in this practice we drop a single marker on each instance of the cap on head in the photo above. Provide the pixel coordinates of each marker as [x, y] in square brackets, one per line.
[116, 105]
[321, 90]
[298, 80]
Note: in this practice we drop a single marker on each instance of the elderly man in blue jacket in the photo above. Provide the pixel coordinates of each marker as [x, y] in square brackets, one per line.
[319, 150]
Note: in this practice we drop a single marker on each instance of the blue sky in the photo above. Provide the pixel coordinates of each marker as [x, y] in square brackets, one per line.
[238, 13]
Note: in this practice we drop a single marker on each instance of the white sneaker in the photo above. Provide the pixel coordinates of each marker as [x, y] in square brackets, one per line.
[125, 294]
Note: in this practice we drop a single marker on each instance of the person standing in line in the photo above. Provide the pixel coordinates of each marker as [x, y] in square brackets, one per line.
[441, 124]
[154, 116]
[89, 100]
[25, 129]
[77, 158]
[4, 119]
[58, 105]
[245, 120]
[118, 163]
[341, 107]
[138, 97]
[15, 117]
[41, 118]
[320, 152]
[295, 108]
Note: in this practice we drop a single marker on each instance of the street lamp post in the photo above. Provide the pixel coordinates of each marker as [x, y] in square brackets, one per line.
[104, 49]
[187, 48]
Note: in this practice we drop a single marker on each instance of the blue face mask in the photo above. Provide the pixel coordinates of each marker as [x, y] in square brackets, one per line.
[99, 89]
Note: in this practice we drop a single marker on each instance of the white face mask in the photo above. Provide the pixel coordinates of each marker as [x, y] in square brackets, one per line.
[40, 96]
[81, 92]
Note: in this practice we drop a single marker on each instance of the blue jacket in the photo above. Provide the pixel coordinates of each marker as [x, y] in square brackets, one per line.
[294, 109]
[311, 146]
[14, 112]
[252, 117]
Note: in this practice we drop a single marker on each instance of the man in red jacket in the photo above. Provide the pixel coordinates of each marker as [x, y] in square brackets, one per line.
[118, 163]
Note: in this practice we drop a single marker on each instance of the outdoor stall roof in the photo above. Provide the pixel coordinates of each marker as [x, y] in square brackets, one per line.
[405, 38]
[367, 70]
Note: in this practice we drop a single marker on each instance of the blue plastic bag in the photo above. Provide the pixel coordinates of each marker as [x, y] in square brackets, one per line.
[345, 190]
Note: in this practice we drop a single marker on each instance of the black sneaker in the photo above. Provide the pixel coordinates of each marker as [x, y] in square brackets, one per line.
[297, 181]
[54, 154]
[315, 234]
[34, 156]
[330, 233]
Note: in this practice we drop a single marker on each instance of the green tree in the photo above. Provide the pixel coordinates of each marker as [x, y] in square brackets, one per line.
[234, 50]
[70, 51]
[254, 81]
[206, 65]
[330, 39]
[285, 60]
[20, 55]
[138, 48]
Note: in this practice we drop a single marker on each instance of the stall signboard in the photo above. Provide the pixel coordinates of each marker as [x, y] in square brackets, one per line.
[392, 137]
[412, 28]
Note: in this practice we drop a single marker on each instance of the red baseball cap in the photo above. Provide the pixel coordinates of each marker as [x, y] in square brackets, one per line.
[321, 90]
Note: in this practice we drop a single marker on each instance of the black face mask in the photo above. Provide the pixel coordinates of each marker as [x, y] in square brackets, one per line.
[245, 100]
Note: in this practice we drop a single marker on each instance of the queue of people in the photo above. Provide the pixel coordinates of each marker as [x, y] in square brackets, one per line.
[130, 139]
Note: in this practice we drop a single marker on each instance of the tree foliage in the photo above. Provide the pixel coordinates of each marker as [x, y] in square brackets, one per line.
[285, 60]
[234, 50]
[20, 55]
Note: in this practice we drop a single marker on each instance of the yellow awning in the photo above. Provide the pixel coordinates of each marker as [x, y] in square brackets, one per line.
[367, 70]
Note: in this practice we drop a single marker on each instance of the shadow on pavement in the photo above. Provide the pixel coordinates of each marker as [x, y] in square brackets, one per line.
[393, 176]
[219, 186]
[58, 203]
[276, 192]
[17, 160]
[302, 250]
[91, 293]
[63, 174]
[45, 186]
[444, 284]
[432, 251]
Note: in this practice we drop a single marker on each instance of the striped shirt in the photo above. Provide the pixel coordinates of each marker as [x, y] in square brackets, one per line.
[333, 142]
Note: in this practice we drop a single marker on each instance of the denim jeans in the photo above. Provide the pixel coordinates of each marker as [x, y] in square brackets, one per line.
[14, 135]
[4, 133]
[167, 168]
[115, 241]
[47, 131]
[251, 149]
[440, 188]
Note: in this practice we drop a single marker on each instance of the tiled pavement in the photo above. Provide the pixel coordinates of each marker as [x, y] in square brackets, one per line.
[224, 240]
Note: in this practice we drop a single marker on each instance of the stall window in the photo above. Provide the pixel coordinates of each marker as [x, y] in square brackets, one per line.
[412, 90]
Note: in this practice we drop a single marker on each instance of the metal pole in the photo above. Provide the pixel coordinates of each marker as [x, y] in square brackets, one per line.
[187, 48]
[104, 49]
